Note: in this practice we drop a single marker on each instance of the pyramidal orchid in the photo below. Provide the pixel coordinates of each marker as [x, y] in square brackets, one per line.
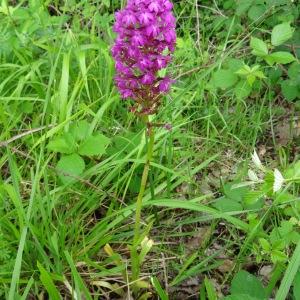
[145, 40]
[144, 45]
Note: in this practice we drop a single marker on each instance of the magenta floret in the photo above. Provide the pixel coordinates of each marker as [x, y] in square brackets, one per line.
[146, 39]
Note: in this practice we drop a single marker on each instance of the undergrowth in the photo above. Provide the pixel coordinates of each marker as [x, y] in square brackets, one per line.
[219, 221]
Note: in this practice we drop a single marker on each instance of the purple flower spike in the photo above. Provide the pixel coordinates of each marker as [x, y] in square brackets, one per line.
[126, 93]
[145, 41]
[154, 6]
[138, 40]
[168, 5]
[146, 18]
[145, 64]
[152, 30]
[161, 63]
[165, 84]
[148, 79]
[129, 19]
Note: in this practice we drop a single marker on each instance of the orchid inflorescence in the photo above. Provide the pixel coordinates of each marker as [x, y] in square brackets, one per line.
[146, 39]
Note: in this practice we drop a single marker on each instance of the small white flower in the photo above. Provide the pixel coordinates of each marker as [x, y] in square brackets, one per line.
[146, 245]
[256, 161]
[278, 181]
[252, 176]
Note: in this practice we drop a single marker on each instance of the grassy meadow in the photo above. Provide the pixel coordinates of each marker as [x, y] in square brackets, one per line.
[220, 212]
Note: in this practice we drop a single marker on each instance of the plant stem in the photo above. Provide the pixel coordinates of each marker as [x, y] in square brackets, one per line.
[139, 202]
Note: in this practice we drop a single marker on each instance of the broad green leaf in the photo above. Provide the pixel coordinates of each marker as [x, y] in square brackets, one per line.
[252, 197]
[284, 197]
[64, 144]
[259, 74]
[234, 64]
[251, 79]
[294, 237]
[290, 89]
[242, 89]
[278, 256]
[279, 244]
[294, 72]
[80, 130]
[224, 78]
[265, 245]
[245, 283]
[268, 184]
[94, 145]
[234, 193]
[293, 170]
[285, 228]
[228, 4]
[280, 57]
[275, 74]
[276, 239]
[243, 6]
[259, 47]
[251, 73]
[70, 166]
[227, 205]
[281, 33]
[256, 12]
[59, 145]
[244, 71]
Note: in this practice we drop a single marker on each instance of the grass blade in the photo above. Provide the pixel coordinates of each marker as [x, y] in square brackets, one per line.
[161, 293]
[189, 205]
[27, 289]
[210, 290]
[79, 284]
[289, 275]
[64, 87]
[48, 283]
[18, 263]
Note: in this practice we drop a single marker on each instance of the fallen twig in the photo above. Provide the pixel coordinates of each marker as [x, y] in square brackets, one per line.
[19, 136]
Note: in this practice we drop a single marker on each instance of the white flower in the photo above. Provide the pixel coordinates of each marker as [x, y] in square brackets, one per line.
[146, 245]
[278, 181]
[252, 176]
[256, 161]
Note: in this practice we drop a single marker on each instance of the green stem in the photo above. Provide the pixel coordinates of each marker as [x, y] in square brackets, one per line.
[139, 202]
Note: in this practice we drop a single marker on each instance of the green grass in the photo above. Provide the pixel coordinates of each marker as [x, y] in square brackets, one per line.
[56, 70]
